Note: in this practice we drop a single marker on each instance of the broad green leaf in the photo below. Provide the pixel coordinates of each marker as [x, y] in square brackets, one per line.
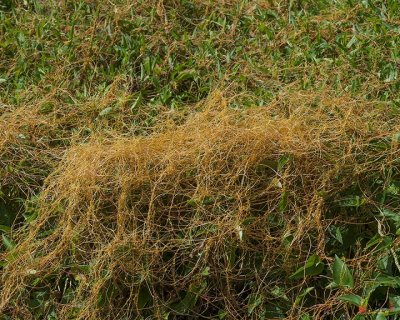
[338, 235]
[283, 160]
[231, 255]
[283, 202]
[395, 217]
[279, 292]
[381, 243]
[353, 201]
[380, 316]
[190, 298]
[5, 228]
[206, 271]
[352, 298]
[46, 108]
[302, 294]
[391, 312]
[185, 75]
[106, 111]
[313, 267]
[7, 242]
[384, 262]
[395, 301]
[254, 301]
[137, 102]
[352, 41]
[165, 315]
[392, 189]
[396, 137]
[222, 314]
[389, 281]
[144, 296]
[341, 274]
[373, 241]
[191, 202]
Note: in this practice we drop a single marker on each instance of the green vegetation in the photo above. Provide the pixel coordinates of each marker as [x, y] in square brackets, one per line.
[199, 159]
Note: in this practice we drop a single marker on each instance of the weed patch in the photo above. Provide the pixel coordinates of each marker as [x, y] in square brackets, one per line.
[230, 213]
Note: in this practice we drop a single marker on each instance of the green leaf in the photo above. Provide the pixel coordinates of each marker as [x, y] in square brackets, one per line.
[313, 267]
[106, 111]
[283, 160]
[254, 301]
[283, 202]
[338, 235]
[391, 312]
[353, 202]
[303, 293]
[191, 202]
[4, 228]
[185, 75]
[222, 314]
[392, 189]
[190, 298]
[206, 271]
[380, 316]
[373, 241]
[144, 296]
[352, 298]
[165, 315]
[231, 255]
[341, 274]
[352, 41]
[279, 292]
[46, 108]
[381, 243]
[395, 217]
[136, 104]
[396, 137]
[389, 281]
[395, 301]
[7, 242]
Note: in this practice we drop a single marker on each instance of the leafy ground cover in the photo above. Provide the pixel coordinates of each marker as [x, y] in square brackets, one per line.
[199, 159]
